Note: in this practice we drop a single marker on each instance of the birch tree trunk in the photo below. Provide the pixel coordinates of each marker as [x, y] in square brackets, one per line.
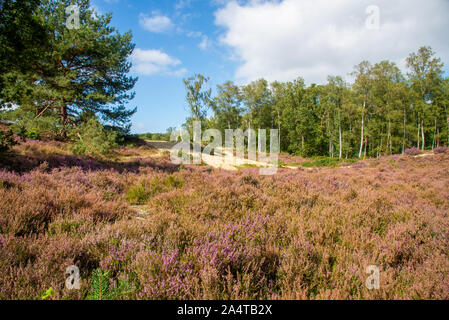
[403, 138]
[448, 129]
[341, 146]
[422, 135]
[419, 124]
[434, 141]
[363, 124]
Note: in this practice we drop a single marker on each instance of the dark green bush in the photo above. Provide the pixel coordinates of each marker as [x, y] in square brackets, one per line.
[93, 139]
[42, 128]
[6, 140]
[325, 162]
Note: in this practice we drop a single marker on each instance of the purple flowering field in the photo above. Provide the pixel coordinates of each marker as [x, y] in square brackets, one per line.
[196, 232]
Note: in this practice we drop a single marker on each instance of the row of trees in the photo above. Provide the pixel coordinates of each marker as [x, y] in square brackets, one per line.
[382, 112]
[54, 73]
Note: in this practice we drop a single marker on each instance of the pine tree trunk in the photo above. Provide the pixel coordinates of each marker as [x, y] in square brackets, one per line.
[63, 111]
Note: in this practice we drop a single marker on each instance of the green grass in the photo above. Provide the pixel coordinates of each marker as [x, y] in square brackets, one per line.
[325, 162]
[247, 165]
[139, 193]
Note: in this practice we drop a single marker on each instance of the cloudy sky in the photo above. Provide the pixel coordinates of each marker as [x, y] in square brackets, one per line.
[277, 40]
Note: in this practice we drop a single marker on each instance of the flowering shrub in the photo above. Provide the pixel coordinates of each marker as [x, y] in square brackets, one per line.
[439, 150]
[412, 151]
[6, 140]
[215, 234]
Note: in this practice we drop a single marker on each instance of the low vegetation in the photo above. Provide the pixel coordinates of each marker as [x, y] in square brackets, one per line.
[158, 231]
[77, 188]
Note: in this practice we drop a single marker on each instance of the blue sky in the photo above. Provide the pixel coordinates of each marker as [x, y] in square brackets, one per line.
[188, 39]
[245, 40]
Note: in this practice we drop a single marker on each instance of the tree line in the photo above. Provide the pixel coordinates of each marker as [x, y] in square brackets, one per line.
[382, 112]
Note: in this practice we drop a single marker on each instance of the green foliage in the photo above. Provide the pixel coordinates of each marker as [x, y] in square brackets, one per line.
[101, 287]
[155, 136]
[6, 140]
[325, 162]
[227, 106]
[139, 193]
[45, 127]
[75, 70]
[23, 38]
[382, 112]
[197, 97]
[47, 293]
[93, 139]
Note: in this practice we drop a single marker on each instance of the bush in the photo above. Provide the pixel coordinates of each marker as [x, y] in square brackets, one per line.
[440, 150]
[156, 136]
[42, 128]
[94, 139]
[6, 140]
[139, 193]
[101, 287]
[412, 151]
[325, 162]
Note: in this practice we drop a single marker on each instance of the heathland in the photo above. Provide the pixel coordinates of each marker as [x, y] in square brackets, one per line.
[363, 178]
[153, 230]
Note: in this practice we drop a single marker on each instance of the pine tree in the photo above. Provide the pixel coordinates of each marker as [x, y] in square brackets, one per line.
[81, 69]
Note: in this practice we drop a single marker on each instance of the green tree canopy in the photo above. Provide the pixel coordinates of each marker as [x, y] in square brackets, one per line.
[84, 69]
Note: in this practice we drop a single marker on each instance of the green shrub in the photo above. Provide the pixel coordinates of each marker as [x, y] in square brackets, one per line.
[93, 139]
[101, 287]
[325, 162]
[45, 127]
[139, 193]
[6, 140]
[156, 136]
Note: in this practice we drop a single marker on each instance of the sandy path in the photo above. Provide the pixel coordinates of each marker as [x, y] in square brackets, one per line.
[215, 161]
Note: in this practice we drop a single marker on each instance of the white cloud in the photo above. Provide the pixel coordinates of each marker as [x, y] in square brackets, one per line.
[151, 62]
[282, 40]
[177, 73]
[95, 10]
[205, 43]
[194, 34]
[156, 23]
[181, 4]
